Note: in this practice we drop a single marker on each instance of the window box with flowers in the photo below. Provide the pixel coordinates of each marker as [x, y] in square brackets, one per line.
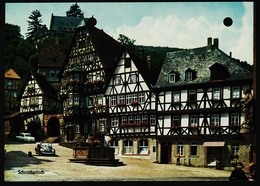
[213, 128]
[134, 103]
[128, 125]
[120, 104]
[193, 128]
[175, 128]
[98, 81]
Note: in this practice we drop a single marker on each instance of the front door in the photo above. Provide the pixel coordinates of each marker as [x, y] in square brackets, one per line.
[214, 153]
[70, 133]
[166, 149]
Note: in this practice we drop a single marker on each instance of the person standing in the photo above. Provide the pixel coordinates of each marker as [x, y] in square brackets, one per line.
[178, 156]
[238, 174]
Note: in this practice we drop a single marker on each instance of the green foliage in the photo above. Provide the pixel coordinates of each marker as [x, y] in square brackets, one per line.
[17, 51]
[75, 11]
[125, 40]
[34, 23]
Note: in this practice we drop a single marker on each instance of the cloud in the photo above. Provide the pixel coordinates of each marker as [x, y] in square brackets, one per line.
[244, 48]
[192, 32]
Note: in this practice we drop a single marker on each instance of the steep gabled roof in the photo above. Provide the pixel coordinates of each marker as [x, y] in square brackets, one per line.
[47, 89]
[52, 54]
[11, 74]
[64, 23]
[108, 49]
[45, 85]
[200, 60]
[142, 67]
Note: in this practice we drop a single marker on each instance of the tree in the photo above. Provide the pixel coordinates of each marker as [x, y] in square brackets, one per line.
[34, 23]
[125, 40]
[75, 11]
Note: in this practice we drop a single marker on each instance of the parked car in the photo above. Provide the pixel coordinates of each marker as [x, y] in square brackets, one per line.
[44, 148]
[25, 137]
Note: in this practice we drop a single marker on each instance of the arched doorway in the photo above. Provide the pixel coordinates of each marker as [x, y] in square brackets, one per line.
[53, 127]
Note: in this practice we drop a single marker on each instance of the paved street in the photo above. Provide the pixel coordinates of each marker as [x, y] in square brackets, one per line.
[20, 167]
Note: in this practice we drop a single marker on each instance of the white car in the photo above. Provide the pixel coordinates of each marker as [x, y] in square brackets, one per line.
[44, 148]
[25, 137]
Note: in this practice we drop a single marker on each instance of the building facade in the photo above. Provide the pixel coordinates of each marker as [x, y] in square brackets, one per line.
[198, 107]
[39, 103]
[84, 74]
[132, 107]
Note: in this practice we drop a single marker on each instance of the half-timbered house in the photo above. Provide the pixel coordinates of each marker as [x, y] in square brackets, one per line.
[131, 107]
[12, 85]
[198, 95]
[39, 103]
[86, 69]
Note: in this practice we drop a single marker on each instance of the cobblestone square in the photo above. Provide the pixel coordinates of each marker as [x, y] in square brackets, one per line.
[18, 167]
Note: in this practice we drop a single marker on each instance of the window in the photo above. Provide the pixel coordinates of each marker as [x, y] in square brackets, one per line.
[143, 147]
[127, 62]
[89, 101]
[193, 148]
[52, 73]
[171, 77]
[114, 144]
[102, 126]
[121, 98]
[234, 119]
[235, 92]
[133, 78]
[77, 128]
[192, 95]
[114, 121]
[124, 119]
[144, 118]
[176, 121]
[134, 97]
[128, 147]
[9, 83]
[128, 99]
[113, 101]
[138, 119]
[188, 76]
[99, 100]
[234, 149]
[193, 120]
[215, 119]
[141, 98]
[152, 119]
[76, 100]
[180, 148]
[176, 97]
[117, 80]
[130, 119]
[216, 94]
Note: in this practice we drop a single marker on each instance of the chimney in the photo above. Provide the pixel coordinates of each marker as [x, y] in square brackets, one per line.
[215, 43]
[209, 46]
[148, 60]
[230, 54]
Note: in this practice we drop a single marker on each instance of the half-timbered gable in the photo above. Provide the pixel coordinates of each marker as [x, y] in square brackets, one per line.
[38, 99]
[203, 97]
[91, 57]
[131, 105]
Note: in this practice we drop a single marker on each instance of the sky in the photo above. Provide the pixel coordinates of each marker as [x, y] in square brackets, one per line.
[174, 24]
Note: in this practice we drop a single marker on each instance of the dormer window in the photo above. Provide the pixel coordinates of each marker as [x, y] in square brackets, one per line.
[190, 75]
[218, 72]
[173, 77]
